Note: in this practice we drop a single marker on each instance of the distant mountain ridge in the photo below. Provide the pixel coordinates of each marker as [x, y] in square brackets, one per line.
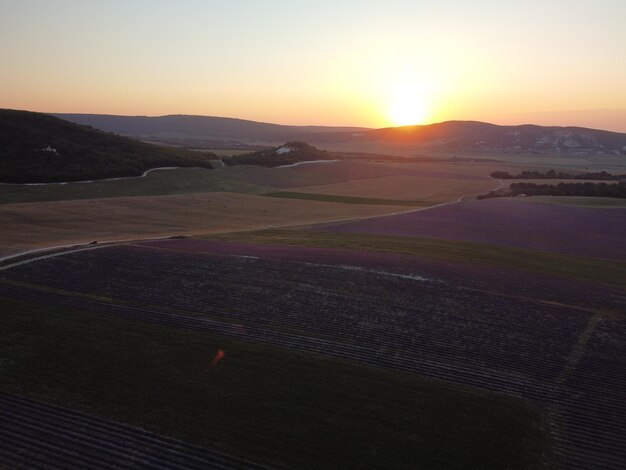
[480, 136]
[39, 148]
[473, 136]
[203, 127]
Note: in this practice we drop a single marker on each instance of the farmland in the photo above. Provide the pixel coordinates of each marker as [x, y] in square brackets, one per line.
[363, 178]
[155, 183]
[433, 187]
[263, 402]
[347, 199]
[565, 229]
[306, 326]
[312, 235]
[345, 320]
[193, 201]
[37, 225]
[289, 375]
[479, 255]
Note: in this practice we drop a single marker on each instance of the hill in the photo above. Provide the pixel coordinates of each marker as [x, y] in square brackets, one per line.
[288, 154]
[485, 137]
[218, 132]
[201, 131]
[38, 148]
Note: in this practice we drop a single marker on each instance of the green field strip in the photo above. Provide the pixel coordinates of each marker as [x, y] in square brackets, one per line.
[264, 403]
[157, 183]
[347, 199]
[583, 268]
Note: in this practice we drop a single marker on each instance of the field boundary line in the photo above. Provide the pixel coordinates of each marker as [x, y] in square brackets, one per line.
[64, 250]
[579, 348]
[410, 211]
[143, 175]
[595, 311]
[75, 247]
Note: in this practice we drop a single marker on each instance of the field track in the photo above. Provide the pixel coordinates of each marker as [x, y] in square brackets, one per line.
[143, 175]
[40, 436]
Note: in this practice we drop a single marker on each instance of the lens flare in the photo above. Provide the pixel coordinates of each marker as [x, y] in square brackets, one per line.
[219, 355]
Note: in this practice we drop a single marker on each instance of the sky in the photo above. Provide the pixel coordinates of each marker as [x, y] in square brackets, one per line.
[361, 63]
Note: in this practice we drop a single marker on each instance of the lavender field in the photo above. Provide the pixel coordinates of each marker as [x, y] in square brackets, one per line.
[400, 313]
[564, 229]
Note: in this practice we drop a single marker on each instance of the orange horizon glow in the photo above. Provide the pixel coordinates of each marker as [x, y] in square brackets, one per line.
[383, 115]
[375, 65]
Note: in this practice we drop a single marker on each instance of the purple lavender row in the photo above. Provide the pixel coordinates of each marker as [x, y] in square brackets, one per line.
[414, 319]
[564, 229]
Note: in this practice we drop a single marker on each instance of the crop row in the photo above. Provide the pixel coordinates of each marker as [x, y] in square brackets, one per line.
[428, 363]
[567, 229]
[37, 435]
[587, 421]
[507, 282]
[594, 398]
[469, 373]
[428, 327]
[382, 312]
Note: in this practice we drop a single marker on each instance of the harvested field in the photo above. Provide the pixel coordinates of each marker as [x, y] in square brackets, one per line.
[440, 327]
[308, 175]
[38, 225]
[347, 199]
[433, 188]
[379, 177]
[346, 171]
[563, 229]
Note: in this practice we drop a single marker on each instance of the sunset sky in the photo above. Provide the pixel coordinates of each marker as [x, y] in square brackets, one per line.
[365, 63]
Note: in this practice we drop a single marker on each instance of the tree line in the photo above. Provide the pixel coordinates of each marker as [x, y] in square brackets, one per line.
[562, 189]
[557, 175]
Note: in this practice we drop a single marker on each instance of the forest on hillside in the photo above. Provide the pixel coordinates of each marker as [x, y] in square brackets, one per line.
[38, 148]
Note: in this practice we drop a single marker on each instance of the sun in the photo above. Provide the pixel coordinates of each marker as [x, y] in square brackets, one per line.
[407, 106]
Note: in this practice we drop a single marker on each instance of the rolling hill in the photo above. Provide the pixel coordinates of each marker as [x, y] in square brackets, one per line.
[474, 136]
[38, 148]
[203, 131]
[481, 136]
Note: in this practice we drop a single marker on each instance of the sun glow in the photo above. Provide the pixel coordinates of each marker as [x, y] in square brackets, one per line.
[407, 105]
